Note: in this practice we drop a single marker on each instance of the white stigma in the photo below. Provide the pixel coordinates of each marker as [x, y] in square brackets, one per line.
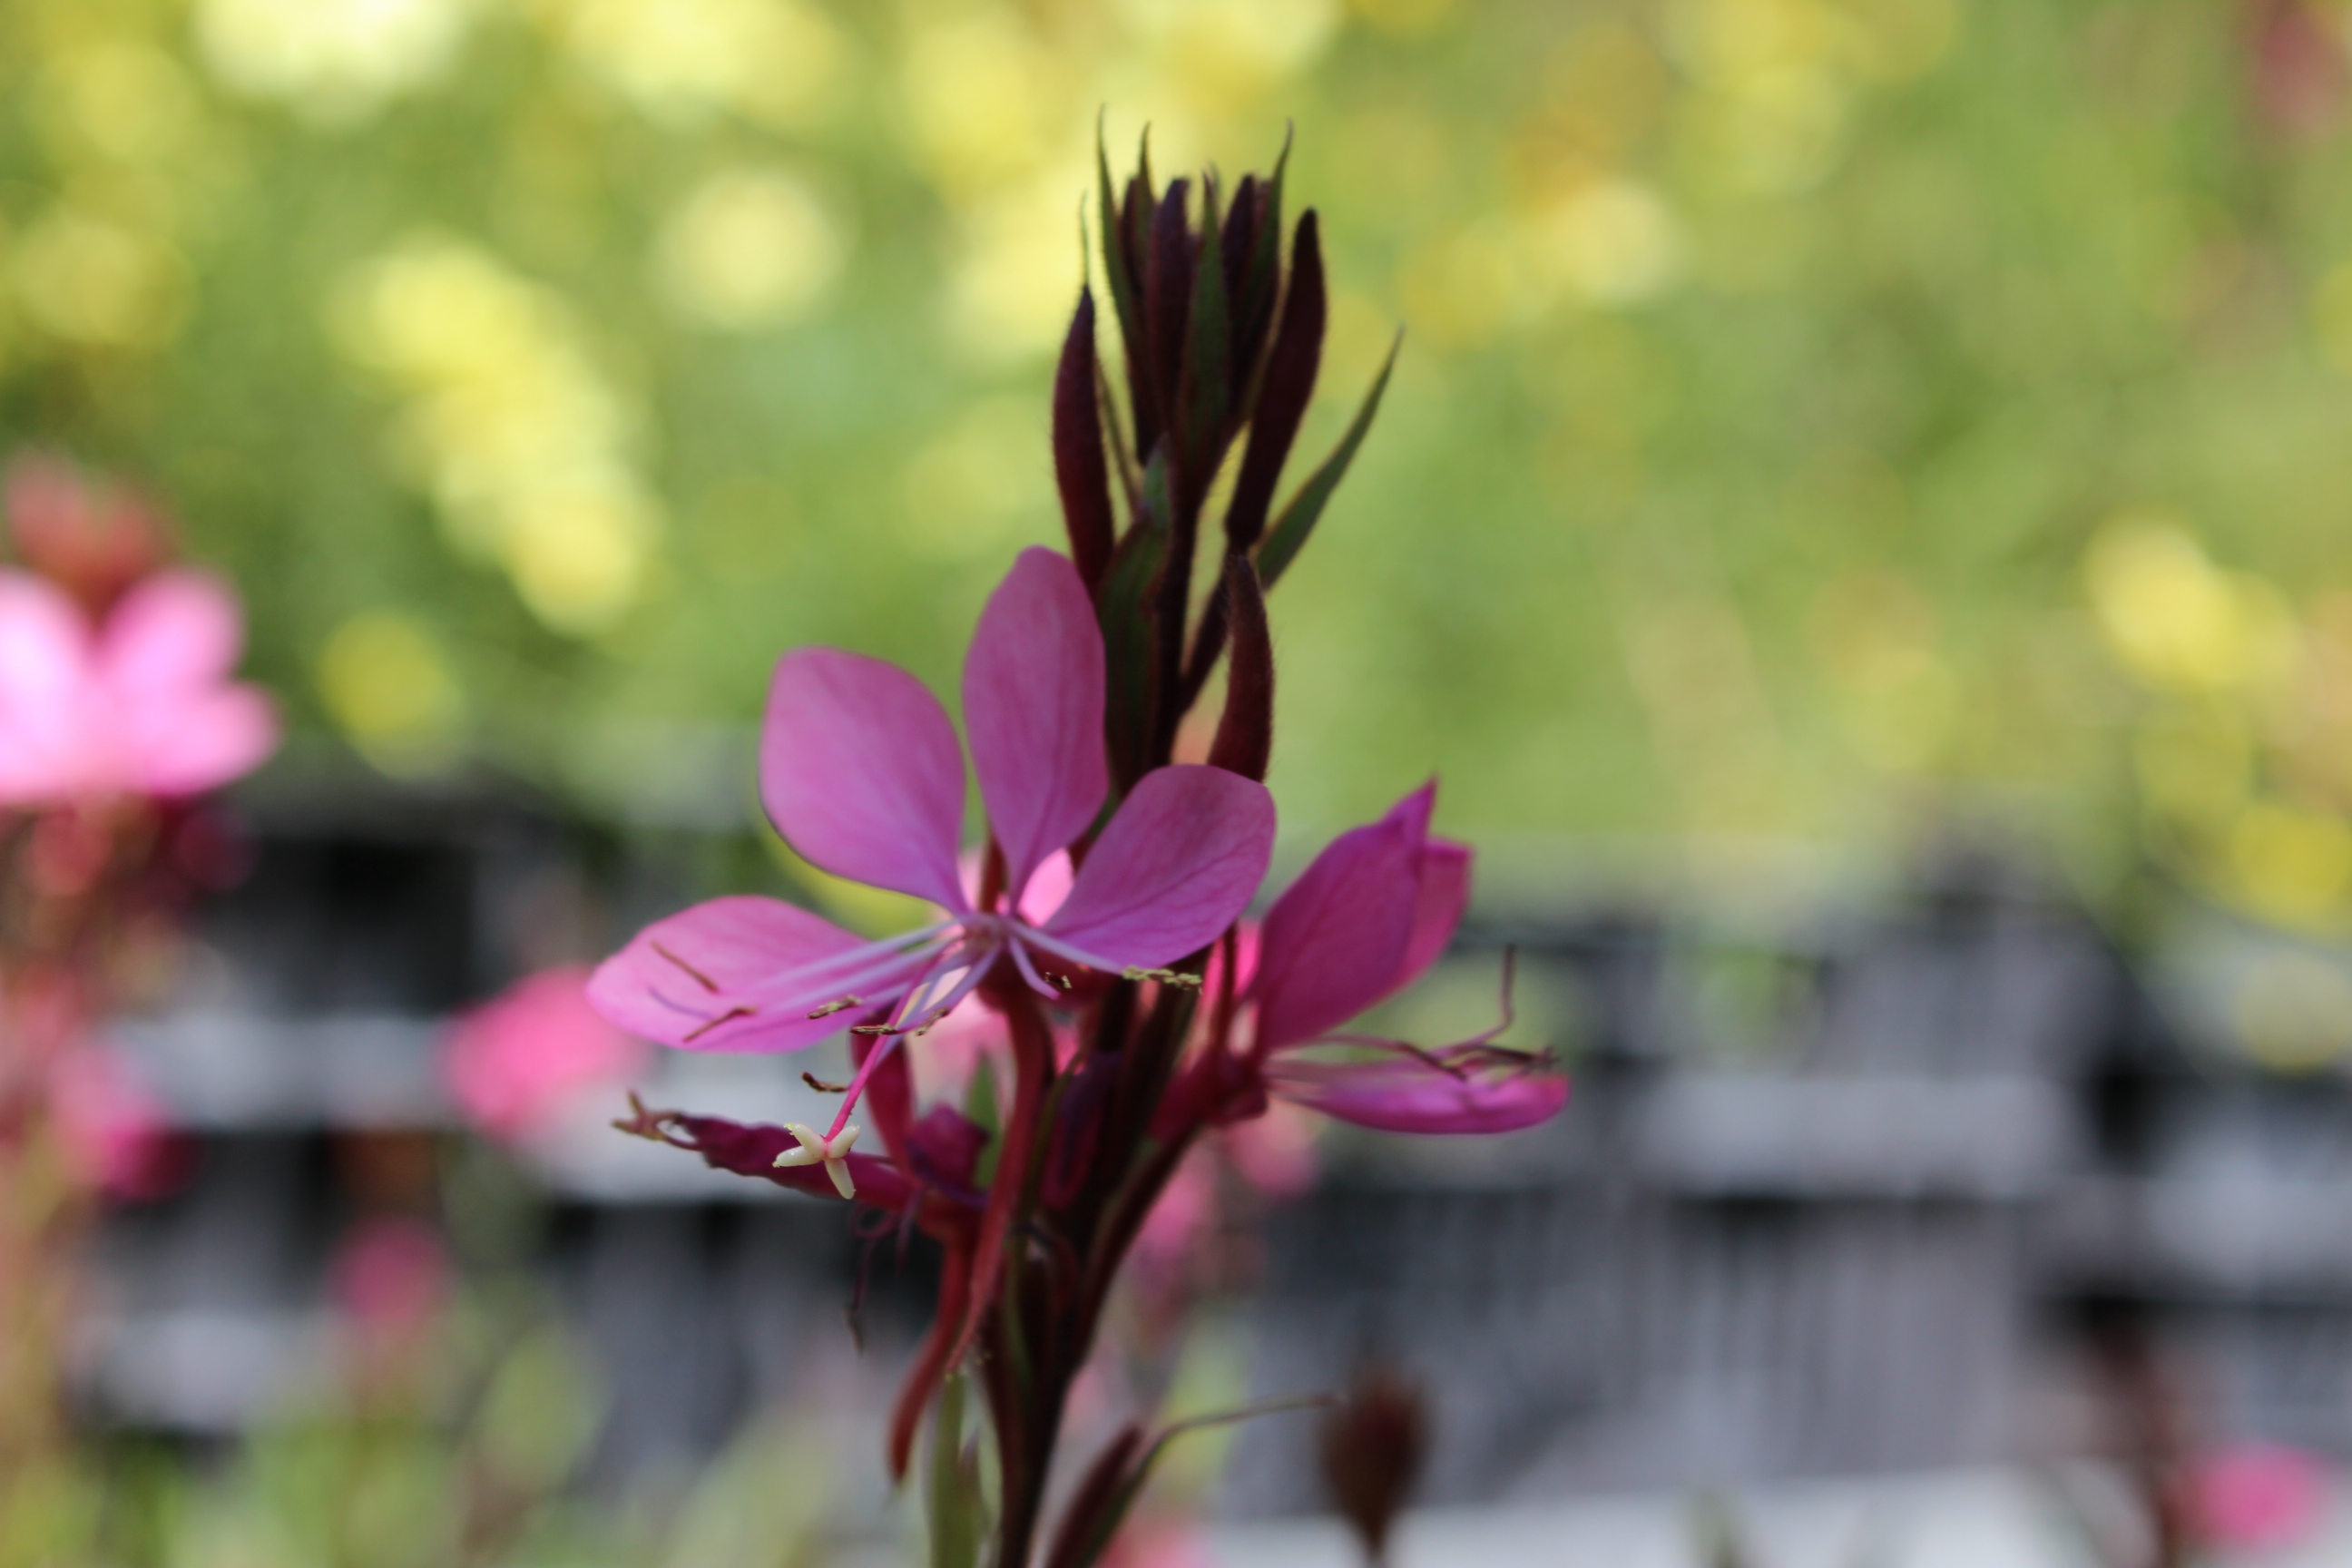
[815, 1148]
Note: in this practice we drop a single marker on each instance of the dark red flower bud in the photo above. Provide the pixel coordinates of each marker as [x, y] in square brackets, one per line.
[1374, 1442]
[1080, 470]
[1167, 303]
[1244, 743]
[1282, 400]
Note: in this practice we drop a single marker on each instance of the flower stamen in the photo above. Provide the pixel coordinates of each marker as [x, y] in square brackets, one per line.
[739, 1011]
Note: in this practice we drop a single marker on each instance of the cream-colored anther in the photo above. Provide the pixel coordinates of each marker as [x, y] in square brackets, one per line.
[831, 1153]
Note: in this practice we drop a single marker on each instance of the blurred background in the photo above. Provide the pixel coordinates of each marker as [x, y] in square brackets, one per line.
[1855, 528]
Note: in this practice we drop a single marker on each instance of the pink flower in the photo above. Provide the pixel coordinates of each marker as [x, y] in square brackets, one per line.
[1373, 912]
[517, 1059]
[2258, 1497]
[111, 1129]
[142, 705]
[92, 539]
[861, 773]
[1159, 1543]
[390, 1276]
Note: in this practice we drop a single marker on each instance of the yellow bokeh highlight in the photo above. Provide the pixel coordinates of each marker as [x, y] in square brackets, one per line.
[2195, 763]
[983, 484]
[1014, 268]
[1898, 701]
[2290, 865]
[527, 447]
[125, 101]
[1405, 19]
[2292, 1010]
[331, 59]
[779, 62]
[2176, 620]
[1611, 242]
[749, 248]
[1779, 77]
[96, 282]
[1227, 52]
[985, 97]
[390, 687]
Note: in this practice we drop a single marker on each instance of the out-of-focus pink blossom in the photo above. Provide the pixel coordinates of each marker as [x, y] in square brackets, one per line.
[1274, 1153]
[112, 1131]
[2258, 1497]
[390, 1276]
[1159, 1543]
[140, 704]
[520, 1058]
[2297, 70]
[93, 539]
[1177, 1219]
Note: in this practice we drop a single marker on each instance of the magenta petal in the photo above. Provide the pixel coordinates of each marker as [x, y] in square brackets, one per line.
[1033, 707]
[196, 741]
[1403, 1094]
[1177, 864]
[174, 631]
[1332, 945]
[1444, 893]
[860, 771]
[715, 978]
[46, 718]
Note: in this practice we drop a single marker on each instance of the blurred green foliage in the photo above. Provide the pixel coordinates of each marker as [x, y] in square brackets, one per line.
[1815, 413]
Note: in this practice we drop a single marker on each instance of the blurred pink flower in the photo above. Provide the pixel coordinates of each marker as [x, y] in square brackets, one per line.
[2258, 1497]
[111, 1129]
[520, 1057]
[1159, 1543]
[1182, 1212]
[140, 704]
[1274, 1153]
[92, 539]
[390, 1275]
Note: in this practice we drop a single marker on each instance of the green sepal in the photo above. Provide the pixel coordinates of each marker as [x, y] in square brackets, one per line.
[1264, 276]
[1288, 535]
[953, 1495]
[979, 1107]
[1114, 241]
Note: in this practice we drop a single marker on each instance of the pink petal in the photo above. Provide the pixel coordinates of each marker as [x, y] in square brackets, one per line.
[1333, 943]
[679, 978]
[2259, 1498]
[174, 631]
[1402, 1094]
[1033, 707]
[859, 769]
[186, 743]
[1444, 893]
[515, 1061]
[1173, 868]
[47, 693]
[44, 641]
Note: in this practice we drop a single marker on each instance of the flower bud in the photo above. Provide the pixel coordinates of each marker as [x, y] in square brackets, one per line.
[1374, 1443]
